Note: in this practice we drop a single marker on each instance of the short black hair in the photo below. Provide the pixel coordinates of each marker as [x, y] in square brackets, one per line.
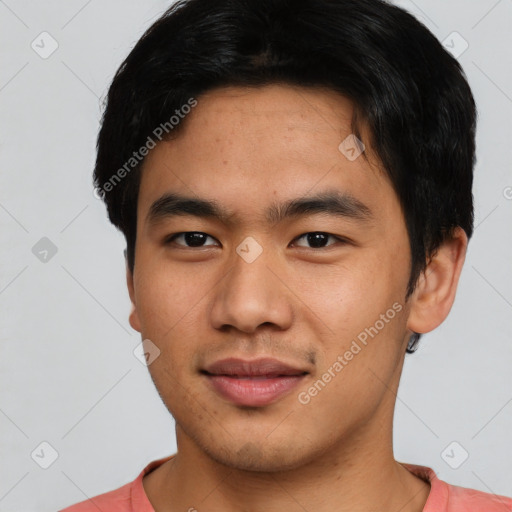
[408, 90]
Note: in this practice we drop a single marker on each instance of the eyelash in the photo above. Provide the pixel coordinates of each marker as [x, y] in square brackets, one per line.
[173, 237]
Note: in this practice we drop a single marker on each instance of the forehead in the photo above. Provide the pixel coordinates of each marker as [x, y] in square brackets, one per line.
[245, 148]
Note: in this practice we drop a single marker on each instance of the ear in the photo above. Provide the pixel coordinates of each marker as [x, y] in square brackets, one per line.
[435, 290]
[134, 316]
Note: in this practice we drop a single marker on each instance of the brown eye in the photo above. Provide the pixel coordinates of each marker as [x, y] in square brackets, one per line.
[317, 239]
[189, 239]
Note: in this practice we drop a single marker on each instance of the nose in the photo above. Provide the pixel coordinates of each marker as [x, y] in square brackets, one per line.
[251, 295]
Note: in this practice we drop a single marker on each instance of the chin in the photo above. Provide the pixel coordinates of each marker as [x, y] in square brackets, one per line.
[258, 457]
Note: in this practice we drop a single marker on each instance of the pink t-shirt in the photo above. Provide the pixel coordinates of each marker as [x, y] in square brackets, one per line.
[443, 497]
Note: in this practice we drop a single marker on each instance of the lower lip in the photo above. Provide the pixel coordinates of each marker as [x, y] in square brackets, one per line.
[255, 392]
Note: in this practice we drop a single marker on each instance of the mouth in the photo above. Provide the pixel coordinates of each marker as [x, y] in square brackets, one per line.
[253, 383]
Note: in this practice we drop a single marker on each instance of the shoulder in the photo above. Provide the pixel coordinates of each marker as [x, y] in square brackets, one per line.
[462, 498]
[128, 498]
[118, 500]
[445, 497]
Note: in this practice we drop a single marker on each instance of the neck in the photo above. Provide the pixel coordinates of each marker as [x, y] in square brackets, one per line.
[358, 474]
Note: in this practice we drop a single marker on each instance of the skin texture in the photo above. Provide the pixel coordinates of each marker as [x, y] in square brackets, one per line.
[248, 148]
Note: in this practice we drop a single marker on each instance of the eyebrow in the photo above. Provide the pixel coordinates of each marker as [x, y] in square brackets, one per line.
[329, 202]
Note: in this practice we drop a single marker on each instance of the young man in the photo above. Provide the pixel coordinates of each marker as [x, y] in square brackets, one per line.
[293, 179]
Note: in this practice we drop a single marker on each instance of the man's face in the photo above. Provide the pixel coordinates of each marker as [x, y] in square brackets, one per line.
[251, 285]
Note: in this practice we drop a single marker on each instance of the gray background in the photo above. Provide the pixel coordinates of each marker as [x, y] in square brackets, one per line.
[68, 373]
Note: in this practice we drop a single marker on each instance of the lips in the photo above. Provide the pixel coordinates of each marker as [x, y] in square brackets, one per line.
[253, 383]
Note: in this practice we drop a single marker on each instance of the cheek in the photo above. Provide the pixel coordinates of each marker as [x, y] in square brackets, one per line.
[359, 358]
[349, 297]
[168, 309]
[166, 297]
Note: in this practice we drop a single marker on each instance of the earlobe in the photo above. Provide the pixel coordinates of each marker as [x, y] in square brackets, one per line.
[435, 290]
[134, 316]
